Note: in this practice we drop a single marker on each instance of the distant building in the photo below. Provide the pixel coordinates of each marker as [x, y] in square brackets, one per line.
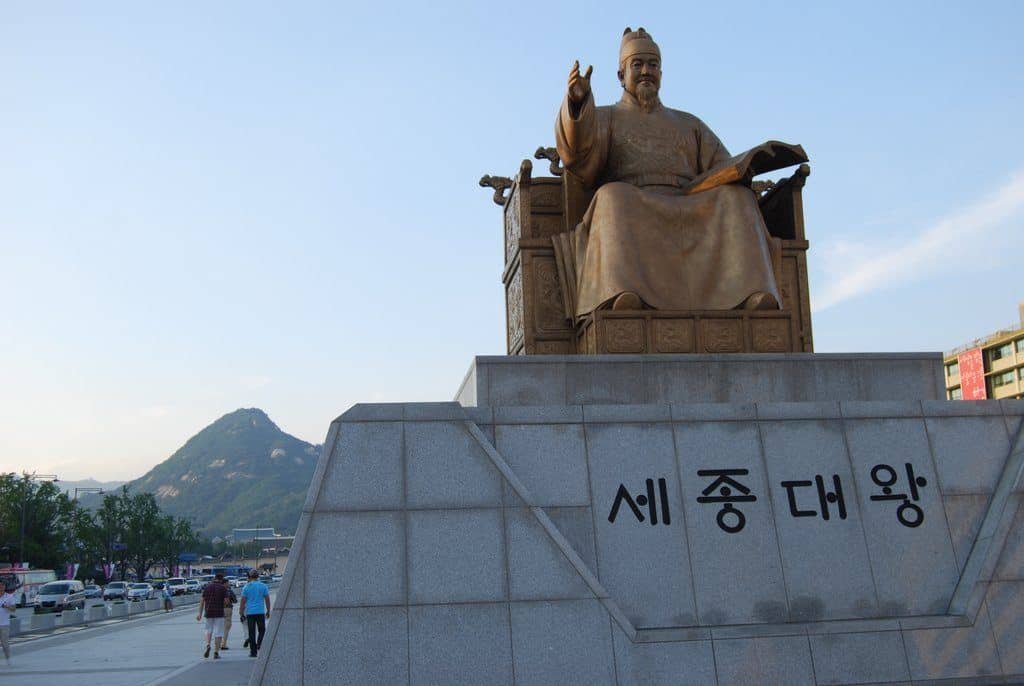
[990, 367]
[247, 535]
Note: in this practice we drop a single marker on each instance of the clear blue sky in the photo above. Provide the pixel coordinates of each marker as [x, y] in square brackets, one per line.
[206, 206]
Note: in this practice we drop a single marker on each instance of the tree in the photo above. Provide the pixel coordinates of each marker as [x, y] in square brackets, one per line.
[142, 531]
[88, 543]
[111, 517]
[176, 536]
[38, 517]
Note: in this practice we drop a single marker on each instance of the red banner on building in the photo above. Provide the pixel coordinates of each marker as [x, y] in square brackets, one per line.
[972, 374]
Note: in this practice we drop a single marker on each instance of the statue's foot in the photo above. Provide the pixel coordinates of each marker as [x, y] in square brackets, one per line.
[760, 301]
[628, 301]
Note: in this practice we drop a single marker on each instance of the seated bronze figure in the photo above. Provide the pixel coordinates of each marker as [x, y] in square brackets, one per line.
[664, 243]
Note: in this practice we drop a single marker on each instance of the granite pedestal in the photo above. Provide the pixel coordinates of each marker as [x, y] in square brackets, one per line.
[661, 379]
[862, 541]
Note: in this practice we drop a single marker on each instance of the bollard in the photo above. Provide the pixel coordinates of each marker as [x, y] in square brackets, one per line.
[44, 622]
[71, 617]
[153, 605]
[118, 608]
[16, 624]
[96, 613]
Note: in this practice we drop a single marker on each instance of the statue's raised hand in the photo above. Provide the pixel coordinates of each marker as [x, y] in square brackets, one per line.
[579, 86]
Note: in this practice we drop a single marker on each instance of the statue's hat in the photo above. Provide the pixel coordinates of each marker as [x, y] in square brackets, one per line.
[635, 43]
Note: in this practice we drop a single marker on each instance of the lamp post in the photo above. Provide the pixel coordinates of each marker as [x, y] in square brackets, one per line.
[86, 489]
[26, 480]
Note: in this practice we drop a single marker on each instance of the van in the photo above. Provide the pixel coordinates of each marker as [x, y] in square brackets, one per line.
[58, 596]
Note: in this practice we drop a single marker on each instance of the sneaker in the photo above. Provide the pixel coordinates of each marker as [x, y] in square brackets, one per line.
[216, 655]
[206, 653]
[252, 654]
[223, 647]
[246, 644]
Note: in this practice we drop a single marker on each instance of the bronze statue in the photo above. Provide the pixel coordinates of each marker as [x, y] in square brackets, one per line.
[673, 224]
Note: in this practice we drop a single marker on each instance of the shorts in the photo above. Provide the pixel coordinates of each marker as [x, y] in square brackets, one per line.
[215, 625]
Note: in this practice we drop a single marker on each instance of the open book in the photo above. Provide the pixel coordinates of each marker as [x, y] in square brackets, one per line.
[768, 156]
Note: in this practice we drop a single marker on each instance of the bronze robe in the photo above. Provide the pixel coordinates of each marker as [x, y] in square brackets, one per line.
[707, 251]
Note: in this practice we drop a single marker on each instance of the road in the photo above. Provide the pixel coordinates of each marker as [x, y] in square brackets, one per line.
[164, 649]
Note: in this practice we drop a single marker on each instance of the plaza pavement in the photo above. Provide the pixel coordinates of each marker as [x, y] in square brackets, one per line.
[164, 649]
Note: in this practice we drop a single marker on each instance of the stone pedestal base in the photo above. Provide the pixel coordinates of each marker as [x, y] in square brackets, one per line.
[622, 543]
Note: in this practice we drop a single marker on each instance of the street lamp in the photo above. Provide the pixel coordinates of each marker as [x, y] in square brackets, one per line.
[26, 480]
[86, 489]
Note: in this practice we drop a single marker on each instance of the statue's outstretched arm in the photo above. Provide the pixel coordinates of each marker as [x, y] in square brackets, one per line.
[577, 130]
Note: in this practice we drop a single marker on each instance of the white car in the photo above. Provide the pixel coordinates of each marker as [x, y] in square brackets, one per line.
[238, 582]
[115, 590]
[193, 586]
[140, 592]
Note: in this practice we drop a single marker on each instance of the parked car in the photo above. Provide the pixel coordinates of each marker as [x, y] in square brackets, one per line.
[159, 585]
[58, 596]
[178, 585]
[93, 591]
[140, 592]
[238, 582]
[193, 586]
[116, 590]
[275, 578]
[204, 580]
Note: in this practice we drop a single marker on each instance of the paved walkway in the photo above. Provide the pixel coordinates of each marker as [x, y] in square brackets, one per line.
[163, 649]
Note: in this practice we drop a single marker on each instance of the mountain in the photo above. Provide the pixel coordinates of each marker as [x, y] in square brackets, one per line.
[70, 486]
[241, 471]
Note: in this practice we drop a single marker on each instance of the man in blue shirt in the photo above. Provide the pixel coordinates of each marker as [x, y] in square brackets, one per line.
[255, 610]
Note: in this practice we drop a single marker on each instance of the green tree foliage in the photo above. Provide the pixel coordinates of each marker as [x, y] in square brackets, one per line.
[38, 515]
[127, 529]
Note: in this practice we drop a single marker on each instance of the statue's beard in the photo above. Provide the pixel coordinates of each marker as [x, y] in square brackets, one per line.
[647, 95]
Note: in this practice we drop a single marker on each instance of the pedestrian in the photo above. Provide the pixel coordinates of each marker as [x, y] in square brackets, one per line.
[213, 601]
[229, 602]
[168, 595]
[7, 603]
[255, 608]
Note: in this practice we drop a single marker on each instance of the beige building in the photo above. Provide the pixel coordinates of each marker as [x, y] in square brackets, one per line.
[990, 367]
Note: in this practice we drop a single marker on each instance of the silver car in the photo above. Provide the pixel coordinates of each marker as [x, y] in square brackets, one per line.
[58, 596]
[140, 592]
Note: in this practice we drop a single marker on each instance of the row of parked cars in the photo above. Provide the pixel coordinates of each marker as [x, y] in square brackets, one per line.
[58, 596]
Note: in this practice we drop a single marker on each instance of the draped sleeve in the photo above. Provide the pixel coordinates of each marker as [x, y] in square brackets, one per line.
[710, 150]
[582, 140]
